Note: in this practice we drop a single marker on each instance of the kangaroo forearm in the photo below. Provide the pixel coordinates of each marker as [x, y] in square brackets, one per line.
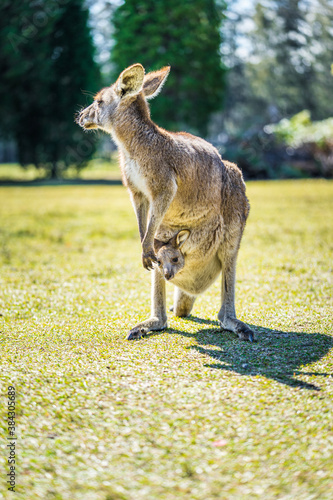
[141, 207]
[148, 254]
[142, 216]
[158, 209]
[148, 240]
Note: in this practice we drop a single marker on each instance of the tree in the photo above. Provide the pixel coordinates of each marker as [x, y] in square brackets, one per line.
[281, 56]
[287, 68]
[48, 59]
[185, 35]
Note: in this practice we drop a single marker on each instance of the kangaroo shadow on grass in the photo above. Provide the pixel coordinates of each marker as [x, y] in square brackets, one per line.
[275, 354]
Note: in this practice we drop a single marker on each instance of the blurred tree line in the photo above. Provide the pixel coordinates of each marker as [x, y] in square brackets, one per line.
[47, 59]
[233, 74]
[185, 35]
[288, 47]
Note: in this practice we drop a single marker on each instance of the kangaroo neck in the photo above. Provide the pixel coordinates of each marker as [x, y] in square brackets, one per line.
[134, 130]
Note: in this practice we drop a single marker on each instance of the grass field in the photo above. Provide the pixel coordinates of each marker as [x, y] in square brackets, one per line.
[189, 413]
[96, 169]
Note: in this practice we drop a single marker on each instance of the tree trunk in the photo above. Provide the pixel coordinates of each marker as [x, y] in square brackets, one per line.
[54, 170]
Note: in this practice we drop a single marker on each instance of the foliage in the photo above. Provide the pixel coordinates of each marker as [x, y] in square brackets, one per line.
[300, 132]
[45, 63]
[185, 35]
[260, 156]
[286, 68]
[102, 418]
[279, 60]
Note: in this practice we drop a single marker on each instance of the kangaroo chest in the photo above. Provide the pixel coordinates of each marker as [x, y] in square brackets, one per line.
[134, 176]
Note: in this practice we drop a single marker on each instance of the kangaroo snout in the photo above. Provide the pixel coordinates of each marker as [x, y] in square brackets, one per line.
[86, 118]
[168, 274]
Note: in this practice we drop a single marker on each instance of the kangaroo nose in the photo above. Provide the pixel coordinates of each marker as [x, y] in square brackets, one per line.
[82, 118]
[86, 116]
[168, 274]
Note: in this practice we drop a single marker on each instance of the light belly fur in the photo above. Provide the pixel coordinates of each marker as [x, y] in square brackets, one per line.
[195, 278]
[134, 175]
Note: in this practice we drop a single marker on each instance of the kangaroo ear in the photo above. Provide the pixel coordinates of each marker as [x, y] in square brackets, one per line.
[154, 81]
[158, 245]
[182, 237]
[130, 80]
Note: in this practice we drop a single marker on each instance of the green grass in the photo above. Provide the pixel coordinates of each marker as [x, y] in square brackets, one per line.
[103, 418]
[96, 169]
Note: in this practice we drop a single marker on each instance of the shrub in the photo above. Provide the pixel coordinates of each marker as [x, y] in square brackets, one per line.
[315, 138]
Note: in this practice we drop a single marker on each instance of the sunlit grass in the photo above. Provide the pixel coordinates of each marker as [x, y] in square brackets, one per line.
[14, 172]
[103, 418]
[95, 169]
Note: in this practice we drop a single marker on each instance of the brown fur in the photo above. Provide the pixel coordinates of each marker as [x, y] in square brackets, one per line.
[175, 180]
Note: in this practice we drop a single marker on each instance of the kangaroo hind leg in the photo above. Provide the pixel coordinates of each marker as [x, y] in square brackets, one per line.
[227, 314]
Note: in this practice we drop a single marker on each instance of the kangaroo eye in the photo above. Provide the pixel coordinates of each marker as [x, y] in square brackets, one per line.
[159, 262]
[99, 103]
[175, 260]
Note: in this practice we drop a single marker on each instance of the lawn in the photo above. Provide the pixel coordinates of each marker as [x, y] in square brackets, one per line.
[96, 169]
[189, 413]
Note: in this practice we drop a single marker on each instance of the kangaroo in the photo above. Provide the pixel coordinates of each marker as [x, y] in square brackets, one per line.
[175, 180]
[169, 258]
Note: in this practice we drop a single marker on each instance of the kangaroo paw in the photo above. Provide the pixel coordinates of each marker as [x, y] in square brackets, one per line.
[148, 259]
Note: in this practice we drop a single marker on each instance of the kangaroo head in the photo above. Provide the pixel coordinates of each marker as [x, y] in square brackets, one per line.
[111, 102]
[170, 259]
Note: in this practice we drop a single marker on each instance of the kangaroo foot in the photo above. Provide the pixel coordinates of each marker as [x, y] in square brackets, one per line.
[140, 330]
[245, 333]
[136, 333]
[238, 327]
